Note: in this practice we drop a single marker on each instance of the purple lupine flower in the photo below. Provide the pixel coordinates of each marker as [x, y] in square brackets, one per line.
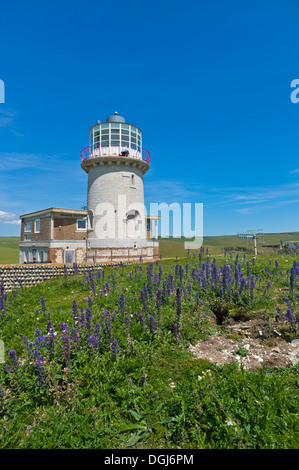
[75, 335]
[2, 304]
[143, 300]
[142, 321]
[49, 338]
[122, 303]
[292, 278]
[43, 304]
[14, 360]
[97, 331]
[75, 267]
[65, 337]
[92, 343]
[88, 317]
[38, 359]
[75, 311]
[181, 273]
[127, 325]
[107, 326]
[114, 347]
[290, 315]
[39, 339]
[152, 324]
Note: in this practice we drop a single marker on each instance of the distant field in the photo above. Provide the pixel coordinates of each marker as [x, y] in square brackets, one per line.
[9, 250]
[217, 244]
[171, 247]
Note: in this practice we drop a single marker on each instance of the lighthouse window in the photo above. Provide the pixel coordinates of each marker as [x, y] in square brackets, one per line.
[105, 126]
[125, 126]
[114, 126]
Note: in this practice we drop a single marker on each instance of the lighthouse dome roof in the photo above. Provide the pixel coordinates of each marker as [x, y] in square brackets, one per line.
[115, 118]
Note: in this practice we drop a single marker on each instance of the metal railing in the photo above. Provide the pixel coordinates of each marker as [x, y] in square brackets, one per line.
[117, 149]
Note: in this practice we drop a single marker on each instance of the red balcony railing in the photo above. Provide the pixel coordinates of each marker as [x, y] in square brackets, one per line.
[103, 149]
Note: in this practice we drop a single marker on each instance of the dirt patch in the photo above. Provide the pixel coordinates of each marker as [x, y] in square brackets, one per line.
[247, 349]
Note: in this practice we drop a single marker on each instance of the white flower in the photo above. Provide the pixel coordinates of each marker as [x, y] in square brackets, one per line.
[199, 378]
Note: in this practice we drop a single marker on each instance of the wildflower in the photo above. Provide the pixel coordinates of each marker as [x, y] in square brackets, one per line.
[43, 304]
[153, 324]
[127, 325]
[142, 321]
[114, 347]
[13, 360]
[122, 303]
[178, 305]
[88, 317]
[92, 342]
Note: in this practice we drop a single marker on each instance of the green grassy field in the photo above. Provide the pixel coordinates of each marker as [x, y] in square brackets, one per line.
[9, 250]
[102, 360]
[172, 247]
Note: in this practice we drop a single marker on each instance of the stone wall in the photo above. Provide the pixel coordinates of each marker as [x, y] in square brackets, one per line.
[32, 274]
[126, 255]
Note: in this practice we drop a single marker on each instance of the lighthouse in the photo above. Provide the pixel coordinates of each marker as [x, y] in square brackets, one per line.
[118, 228]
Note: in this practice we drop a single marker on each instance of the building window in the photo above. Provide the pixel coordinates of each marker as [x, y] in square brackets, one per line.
[28, 227]
[81, 224]
[147, 226]
[37, 226]
[28, 237]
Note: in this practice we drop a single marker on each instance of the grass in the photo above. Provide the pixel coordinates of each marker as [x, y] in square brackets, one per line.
[9, 250]
[129, 381]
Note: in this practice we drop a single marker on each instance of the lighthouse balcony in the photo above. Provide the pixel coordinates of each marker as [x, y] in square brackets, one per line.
[115, 150]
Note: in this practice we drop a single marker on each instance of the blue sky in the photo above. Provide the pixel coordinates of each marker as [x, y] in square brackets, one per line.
[207, 82]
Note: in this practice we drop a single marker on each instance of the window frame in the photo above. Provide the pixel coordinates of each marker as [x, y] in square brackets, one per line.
[35, 230]
[77, 225]
[25, 227]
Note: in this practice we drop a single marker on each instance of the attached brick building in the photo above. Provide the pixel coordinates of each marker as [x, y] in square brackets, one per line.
[53, 235]
[60, 236]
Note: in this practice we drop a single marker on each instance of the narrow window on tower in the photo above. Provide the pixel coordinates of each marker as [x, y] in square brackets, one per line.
[90, 219]
[132, 182]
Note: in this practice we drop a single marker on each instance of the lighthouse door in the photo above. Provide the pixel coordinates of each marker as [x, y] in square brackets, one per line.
[133, 221]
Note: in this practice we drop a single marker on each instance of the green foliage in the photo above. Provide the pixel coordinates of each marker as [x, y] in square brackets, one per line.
[114, 372]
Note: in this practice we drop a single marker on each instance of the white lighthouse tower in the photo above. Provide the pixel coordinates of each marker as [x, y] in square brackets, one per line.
[118, 228]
